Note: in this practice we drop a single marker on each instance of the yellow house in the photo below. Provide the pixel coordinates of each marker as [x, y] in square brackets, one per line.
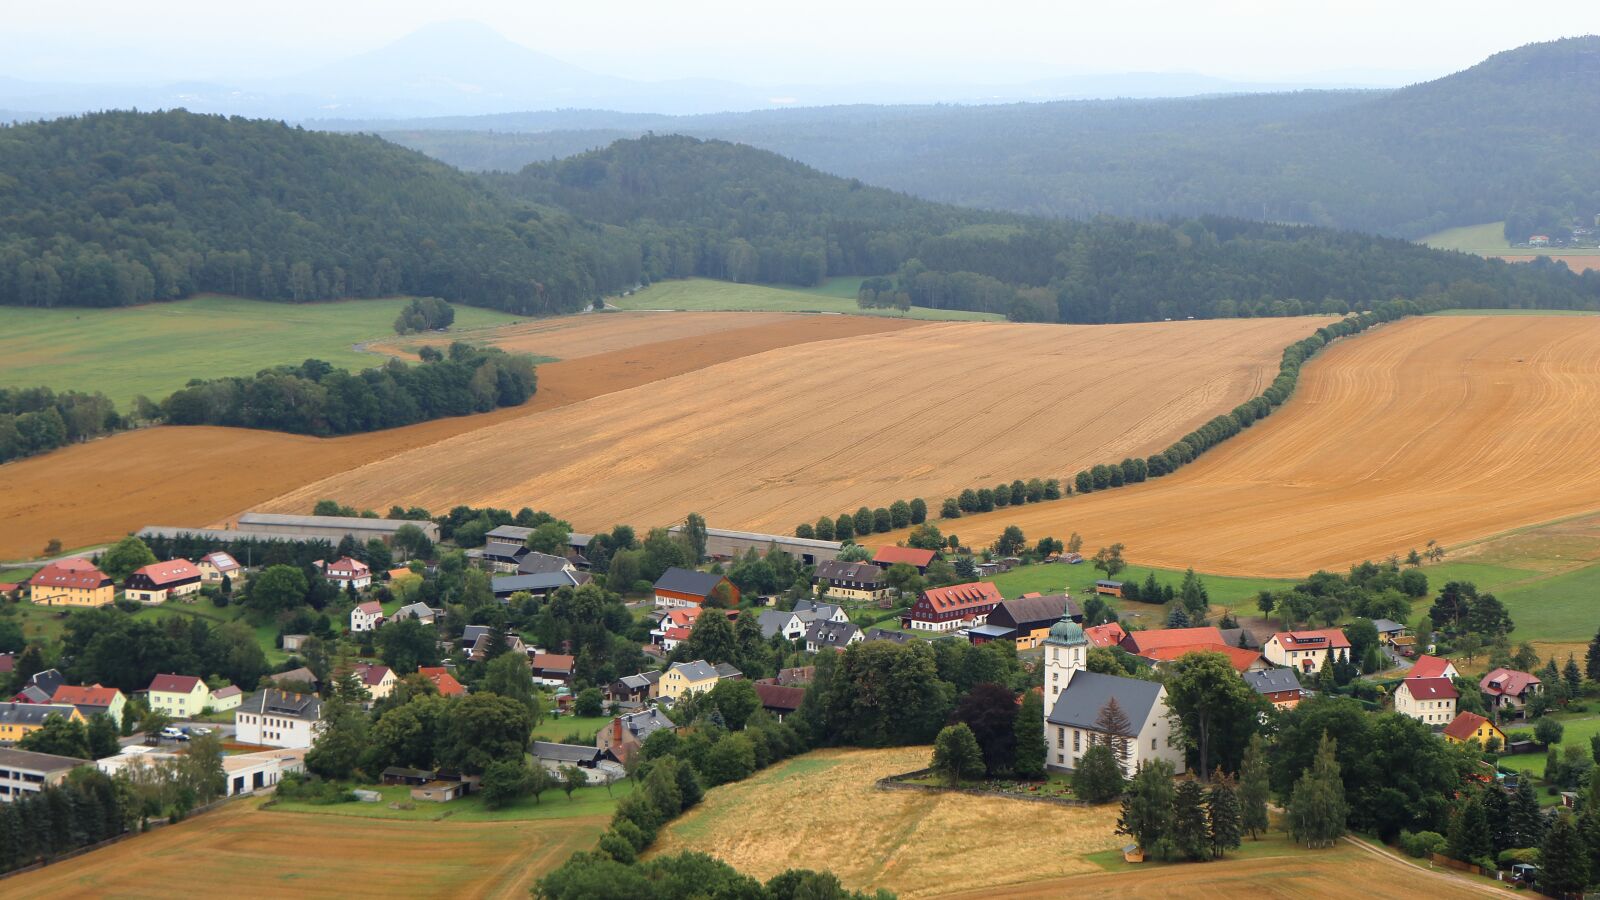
[71, 582]
[179, 696]
[17, 719]
[226, 698]
[1473, 727]
[92, 700]
[688, 678]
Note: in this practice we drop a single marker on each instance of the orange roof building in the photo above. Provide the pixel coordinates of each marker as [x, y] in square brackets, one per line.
[952, 608]
[442, 679]
[71, 582]
[162, 581]
[911, 556]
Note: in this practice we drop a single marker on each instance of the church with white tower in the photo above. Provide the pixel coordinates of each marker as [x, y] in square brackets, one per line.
[1084, 708]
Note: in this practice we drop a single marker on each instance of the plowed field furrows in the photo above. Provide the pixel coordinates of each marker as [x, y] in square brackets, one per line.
[242, 851]
[769, 440]
[96, 492]
[570, 337]
[1448, 428]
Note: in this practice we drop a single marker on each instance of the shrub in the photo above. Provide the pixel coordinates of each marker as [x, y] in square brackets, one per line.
[1422, 843]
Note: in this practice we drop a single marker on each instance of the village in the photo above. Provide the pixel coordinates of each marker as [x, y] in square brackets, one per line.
[353, 625]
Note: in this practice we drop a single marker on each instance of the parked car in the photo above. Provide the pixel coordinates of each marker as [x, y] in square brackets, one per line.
[173, 734]
[198, 731]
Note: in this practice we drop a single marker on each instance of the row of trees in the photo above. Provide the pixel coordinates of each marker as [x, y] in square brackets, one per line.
[316, 398]
[865, 521]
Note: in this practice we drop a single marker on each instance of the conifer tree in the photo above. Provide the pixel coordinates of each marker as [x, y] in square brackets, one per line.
[1317, 808]
[1147, 807]
[1223, 815]
[1469, 839]
[1563, 859]
[1254, 788]
[1031, 749]
[1191, 832]
[1114, 725]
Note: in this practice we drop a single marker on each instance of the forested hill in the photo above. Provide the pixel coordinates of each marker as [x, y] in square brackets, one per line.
[729, 211]
[119, 208]
[1513, 137]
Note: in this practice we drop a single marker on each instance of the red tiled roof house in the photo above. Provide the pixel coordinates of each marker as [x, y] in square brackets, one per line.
[952, 608]
[1431, 701]
[71, 582]
[160, 582]
[911, 556]
[1509, 690]
[1306, 651]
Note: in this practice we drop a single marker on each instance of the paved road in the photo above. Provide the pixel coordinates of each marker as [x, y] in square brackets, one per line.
[226, 730]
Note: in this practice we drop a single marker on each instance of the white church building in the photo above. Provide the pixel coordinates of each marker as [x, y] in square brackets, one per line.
[1076, 700]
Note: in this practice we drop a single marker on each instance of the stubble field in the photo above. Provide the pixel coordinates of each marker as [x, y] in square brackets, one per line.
[769, 440]
[1449, 428]
[250, 852]
[96, 492]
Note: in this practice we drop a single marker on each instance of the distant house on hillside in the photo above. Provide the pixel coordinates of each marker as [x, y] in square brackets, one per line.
[216, 566]
[952, 608]
[912, 556]
[1509, 690]
[346, 573]
[1307, 651]
[159, 582]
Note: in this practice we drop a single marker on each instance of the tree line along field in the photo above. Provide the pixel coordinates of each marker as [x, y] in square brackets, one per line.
[92, 493]
[1445, 428]
[157, 348]
[764, 442]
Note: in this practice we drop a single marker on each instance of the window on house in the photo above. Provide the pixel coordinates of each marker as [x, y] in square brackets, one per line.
[1077, 738]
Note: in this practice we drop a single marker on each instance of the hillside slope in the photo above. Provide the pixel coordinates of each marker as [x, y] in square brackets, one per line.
[114, 209]
[1512, 137]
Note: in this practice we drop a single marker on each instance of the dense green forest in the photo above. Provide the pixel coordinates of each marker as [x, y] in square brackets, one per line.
[118, 208]
[731, 211]
[1512, 138]
[124, 207]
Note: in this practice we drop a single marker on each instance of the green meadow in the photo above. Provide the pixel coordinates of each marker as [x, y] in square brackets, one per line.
[837, 295]
[157, 348]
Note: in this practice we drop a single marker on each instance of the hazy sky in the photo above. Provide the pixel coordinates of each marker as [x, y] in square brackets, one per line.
[822, 41]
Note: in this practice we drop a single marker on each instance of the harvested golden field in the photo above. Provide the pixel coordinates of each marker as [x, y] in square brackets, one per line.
[913, 843]
[570, 337]
[765, 441]
[1577, 262]
[1449, 428]
[248, 852]
[96, 492]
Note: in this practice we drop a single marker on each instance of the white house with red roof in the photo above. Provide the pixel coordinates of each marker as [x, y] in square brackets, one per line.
[1306, 651]
[1432, 667]
[346, 572]
[1431, 701]
[1108, 635]
[213, 566]
[1509, 690]
[162, 581]
[952, 608]
[366, 616]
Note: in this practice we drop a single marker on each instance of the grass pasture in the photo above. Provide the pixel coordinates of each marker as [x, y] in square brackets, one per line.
[255, 853]
[1234, 593]
[837, 295]
[586, 803]
[156, 348]
[1489, 237]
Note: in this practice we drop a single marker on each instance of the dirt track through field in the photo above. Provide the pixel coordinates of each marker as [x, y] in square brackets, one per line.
[96, 492]
[1445, 428]
[768, 440]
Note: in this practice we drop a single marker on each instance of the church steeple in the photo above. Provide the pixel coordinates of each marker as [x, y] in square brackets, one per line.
[1065, 652]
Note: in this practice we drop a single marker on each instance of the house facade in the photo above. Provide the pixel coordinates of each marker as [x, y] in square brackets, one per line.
[214, 566]
[859, 581]
[1431, 701]
[1027, 620]
[678, 588]
[627, 733]
[687, 678]
[18, 719]
[1079, 703]
[160, 582]
[93, 700]
[178, 696]
[1473, 727]
[952, 608]
[346, 573]
[71, 582]
[274, 718]
[829, 635]
[1508, 691]
[366, 616]
[1307, 651]
[1280, 687]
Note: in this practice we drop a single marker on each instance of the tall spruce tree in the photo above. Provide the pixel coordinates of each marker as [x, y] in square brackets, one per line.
[1525, 821]
[1113, 725]
[1224, 815]
[1317, 808]
[1469, 839]
[1563, 859]
[1191, 832]
[1255, 787]
[1031, 749]
[1147, 808]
